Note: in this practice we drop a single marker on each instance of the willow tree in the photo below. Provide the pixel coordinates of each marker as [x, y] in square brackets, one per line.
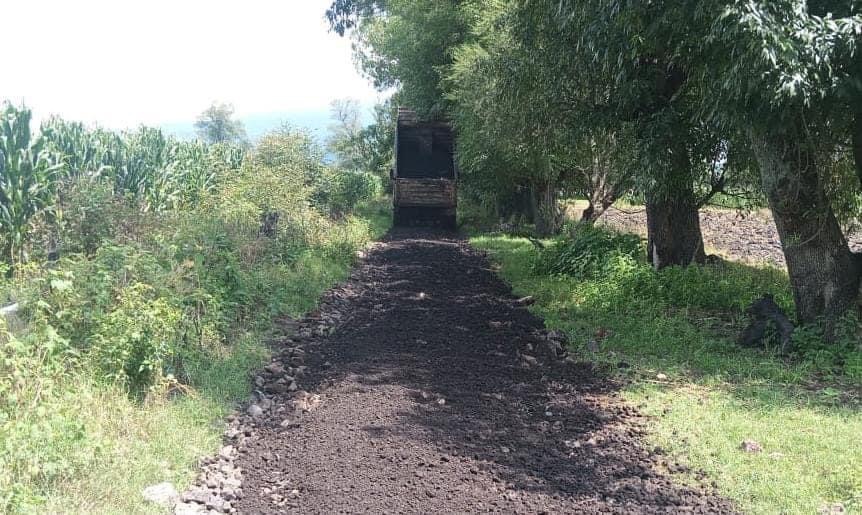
[404, 44]
[216, 124]
[503, 134]
[636, 46]
[790, 73]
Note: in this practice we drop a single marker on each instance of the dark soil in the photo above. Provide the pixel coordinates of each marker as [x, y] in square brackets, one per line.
[440, 393]
[741, 236]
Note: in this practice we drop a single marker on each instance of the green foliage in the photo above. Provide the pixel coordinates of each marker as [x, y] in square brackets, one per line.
[39, 442]
[47, 180]
[405, 43]
[89, 214]
[682, 323]
[368, 149]
[665, 100]
[841, 354]
[587, 253]
[136, 341]
[216, 125]
[85, 152]
[341, 191]
[167, 285]
[612, 269]
[28, 180]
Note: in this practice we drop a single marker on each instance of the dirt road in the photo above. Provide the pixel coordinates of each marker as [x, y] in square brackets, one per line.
[438, 392]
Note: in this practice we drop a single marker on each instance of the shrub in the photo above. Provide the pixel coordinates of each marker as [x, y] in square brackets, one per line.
[841, 354]
[341, 191]
[587, 253]
[613, 263]
[135, 342]
[41, 438]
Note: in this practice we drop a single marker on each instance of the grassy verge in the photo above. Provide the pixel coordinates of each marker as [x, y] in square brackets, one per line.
[74, 441]
[804, 412]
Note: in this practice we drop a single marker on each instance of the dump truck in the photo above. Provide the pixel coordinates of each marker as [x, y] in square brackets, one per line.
[424, 176]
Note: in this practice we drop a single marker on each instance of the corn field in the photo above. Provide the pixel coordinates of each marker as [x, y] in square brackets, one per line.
[153, 171]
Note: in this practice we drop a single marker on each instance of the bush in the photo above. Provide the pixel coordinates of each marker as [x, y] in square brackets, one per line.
[587, 253]
[840, 355]
[614, 271]
[341, 191]
[136, 341]
[41, 438]
[92, 214]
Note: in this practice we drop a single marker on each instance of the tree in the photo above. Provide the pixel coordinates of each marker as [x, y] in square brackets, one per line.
[404, 44]
[369, 148]
[695, 76]
[344, 140]
[504, 139]
[216, 125]
[555, 96]
[794, 85]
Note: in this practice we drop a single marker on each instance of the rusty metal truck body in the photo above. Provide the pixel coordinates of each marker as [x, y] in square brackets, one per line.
[423, 180]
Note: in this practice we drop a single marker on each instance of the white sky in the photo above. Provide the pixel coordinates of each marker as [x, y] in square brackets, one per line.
[121, 63]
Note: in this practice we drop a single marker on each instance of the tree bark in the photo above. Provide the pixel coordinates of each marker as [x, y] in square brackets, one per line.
[857, 144]
[673, 228]
[824, 273]
[604, 179]
[546, 209]
[599, 203]
[519, 204]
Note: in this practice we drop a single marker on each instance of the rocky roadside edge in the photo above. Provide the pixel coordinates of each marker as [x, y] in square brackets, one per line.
[277, 396]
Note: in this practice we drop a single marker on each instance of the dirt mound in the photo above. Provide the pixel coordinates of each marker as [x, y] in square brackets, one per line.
[430, 389]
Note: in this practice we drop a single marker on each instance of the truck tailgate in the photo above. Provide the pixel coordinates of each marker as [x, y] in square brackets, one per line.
[425, 193]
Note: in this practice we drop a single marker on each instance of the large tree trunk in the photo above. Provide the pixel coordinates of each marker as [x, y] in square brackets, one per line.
[673, 219]
[673, 228]
[824, 273]
[546, 209]
[595, 209]
[519, 204]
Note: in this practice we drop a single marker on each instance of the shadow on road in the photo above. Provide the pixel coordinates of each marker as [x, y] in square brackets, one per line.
[441, 394]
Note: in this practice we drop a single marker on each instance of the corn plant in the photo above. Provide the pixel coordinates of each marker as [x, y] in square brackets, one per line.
[28, 177]
[84, 151]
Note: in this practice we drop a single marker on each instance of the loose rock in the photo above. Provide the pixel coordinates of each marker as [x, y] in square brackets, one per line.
[163, 494]
[750, 446]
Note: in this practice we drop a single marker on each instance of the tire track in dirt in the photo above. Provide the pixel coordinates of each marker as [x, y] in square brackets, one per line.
[438, 392]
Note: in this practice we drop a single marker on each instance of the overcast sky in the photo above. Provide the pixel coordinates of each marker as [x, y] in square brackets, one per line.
[125, 62]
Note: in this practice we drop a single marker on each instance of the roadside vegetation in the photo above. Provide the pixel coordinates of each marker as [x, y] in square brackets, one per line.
[144, 278]
[670, 336]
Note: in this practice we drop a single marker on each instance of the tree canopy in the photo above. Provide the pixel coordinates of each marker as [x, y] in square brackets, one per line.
[217, 125]
[671, 102]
